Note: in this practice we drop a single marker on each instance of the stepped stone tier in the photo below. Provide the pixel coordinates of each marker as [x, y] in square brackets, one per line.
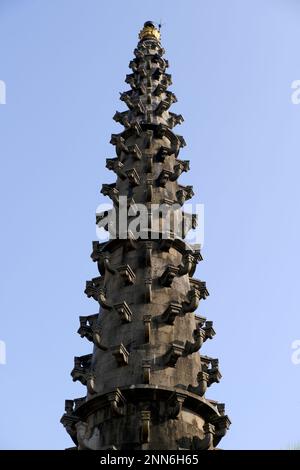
[145, 381]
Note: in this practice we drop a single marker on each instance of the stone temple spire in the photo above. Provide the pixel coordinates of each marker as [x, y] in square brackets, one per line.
[145, 381]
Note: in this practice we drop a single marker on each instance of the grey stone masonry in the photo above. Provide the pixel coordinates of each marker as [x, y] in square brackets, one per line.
[145, 379]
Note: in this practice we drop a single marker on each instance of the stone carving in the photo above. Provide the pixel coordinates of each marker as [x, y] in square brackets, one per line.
[121, 354]
[110, 191]
[199, 336]
[145, 426]
[148, 253]
[168, 275]
[175, 119]
[82, 366]
[163, 178]
[175, 352]
[86, 326]
[95, 289]
[207, 376]
[147, 327]
[124, 312]
[179, 168]
[91, 383]
[221, 424]
[163, 152]
[192, 302]
[69, 420]
[117, 403]
[174, 405]
[116, 166]
[172, 311]
[146, 366]
[126, 273]
[145, 282]
[200, 287]
[148, 290]
[207, 442]
[184, 194]
[133, 177]
[91, 330]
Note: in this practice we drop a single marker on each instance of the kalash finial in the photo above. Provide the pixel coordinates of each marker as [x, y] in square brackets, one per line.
[149, 31]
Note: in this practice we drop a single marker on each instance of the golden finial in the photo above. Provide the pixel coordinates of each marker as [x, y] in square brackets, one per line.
[149, 31]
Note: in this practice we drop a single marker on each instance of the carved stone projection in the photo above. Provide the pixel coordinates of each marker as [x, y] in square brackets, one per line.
[145, 381]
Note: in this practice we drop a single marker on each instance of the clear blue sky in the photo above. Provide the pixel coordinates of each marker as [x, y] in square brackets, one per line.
[232, 62]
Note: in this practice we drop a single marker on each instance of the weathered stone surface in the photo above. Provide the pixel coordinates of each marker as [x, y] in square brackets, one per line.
[146, 381]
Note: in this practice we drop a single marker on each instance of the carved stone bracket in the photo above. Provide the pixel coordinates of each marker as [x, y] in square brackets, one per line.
[184, 194]
[95, 289]
[163, 178]
[133, 177]
[112, 192]
[92, 287]
[209, 330]
[103, 220]
[173, 310]
[192, 302]
[145, 426]
[160, 89]
[175, 119]
[69, 419]
[131, 80]
[86, 326]
[199, 336]
[207, 443]
[126, 273]
[168, 275]
[162, 107]
[135, 126]
[174, 405]
[179, 168]
[116, 166]
[121, 147]
[82, 365]
[124, 312]
[221, 408]
[200, 389]
[200, 286]
[121, 354]
[175, 352]
[117, 402]
[163, 152]
[222, 424]
[211, 367]
[188, 264]
[135, 151]
[122, 118]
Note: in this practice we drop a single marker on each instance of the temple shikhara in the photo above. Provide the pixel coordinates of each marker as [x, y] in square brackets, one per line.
[146, 380]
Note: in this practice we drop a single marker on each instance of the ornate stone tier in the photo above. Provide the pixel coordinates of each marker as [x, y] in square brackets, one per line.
[175, 418]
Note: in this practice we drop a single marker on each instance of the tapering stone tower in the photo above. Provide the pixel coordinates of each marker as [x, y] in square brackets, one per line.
[145, 379]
